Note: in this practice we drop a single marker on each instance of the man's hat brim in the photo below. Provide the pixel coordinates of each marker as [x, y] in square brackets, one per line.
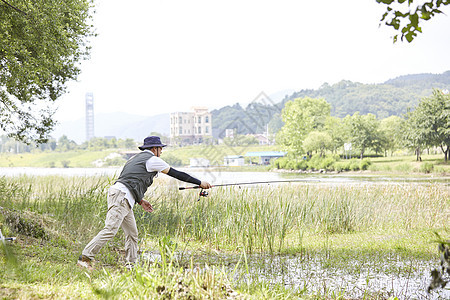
[143, 147]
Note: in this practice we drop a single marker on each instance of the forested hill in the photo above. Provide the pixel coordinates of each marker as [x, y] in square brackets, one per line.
[393, 97]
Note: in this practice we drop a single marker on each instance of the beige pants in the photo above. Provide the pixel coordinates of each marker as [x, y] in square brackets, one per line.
[119, 214]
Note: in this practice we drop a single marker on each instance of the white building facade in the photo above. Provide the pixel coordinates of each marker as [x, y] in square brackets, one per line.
[187, 128]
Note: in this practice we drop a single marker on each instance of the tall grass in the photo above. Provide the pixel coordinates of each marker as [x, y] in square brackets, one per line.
[262, 218]
[69, 211]
[256, 219]
[72, 207]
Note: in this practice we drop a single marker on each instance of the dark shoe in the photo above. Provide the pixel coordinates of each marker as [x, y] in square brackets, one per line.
[129, 266]
[85, 262]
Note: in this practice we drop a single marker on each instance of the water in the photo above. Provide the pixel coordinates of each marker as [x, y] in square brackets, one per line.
[385, 276]
[219, 177]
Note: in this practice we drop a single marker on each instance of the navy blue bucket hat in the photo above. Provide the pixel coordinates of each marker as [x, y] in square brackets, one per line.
[151, 141]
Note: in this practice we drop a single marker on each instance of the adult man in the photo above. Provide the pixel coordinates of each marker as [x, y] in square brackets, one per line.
[136, 176]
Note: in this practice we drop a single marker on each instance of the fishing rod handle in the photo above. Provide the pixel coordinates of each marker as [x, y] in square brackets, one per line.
[188, 187]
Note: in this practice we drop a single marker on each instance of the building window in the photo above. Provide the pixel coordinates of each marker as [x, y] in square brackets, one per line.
[180, 130]
[206, 119]
[206, 129]
[180, 120]
[199, 120]
[199, 130]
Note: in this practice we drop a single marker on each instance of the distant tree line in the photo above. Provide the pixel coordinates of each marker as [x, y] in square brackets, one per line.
[391, 98]
[309, 128]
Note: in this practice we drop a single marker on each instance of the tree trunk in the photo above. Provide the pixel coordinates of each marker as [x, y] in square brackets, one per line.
[446, 153]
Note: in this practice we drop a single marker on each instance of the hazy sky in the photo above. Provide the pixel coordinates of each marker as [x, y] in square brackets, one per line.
[152, 57]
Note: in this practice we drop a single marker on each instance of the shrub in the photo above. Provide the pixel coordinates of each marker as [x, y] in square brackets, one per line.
[403, 167]
[314, 162]
[354, 164]
[327, 163]
[364, 164]
[291, 165]
[302, 165]
[342, 166]
[426, 167]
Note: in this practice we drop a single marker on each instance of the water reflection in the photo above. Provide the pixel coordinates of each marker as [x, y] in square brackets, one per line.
[388, 276]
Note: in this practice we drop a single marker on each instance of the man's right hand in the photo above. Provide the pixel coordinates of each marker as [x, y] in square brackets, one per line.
[146, 206]
[205, 185]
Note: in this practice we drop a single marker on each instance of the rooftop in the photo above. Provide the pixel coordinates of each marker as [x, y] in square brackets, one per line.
[266, 153]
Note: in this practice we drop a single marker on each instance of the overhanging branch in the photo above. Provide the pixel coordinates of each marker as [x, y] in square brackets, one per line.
[15, 8]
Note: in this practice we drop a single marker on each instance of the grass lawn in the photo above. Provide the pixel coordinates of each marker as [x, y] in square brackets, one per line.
[408, 164]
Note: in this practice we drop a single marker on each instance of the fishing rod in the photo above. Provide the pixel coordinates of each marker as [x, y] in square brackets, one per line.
[204, 193]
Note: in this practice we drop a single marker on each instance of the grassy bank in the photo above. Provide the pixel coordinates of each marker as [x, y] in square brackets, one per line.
[54, 217]
[69, 159]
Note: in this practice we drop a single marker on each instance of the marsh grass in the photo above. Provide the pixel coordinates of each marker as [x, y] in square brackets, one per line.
[275, 219]
[338, 224]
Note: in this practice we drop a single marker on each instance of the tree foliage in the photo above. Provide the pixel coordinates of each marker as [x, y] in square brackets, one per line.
[336, 129]
[391, 130]
[405, 16]
[318, 141]
[429, 123]
[365, 132]
[300, 117]
[41, 45]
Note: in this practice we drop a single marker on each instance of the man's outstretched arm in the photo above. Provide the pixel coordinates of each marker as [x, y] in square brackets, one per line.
[185, 177]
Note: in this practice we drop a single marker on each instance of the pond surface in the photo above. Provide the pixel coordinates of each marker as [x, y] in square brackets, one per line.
[385, 276]
[224, 177]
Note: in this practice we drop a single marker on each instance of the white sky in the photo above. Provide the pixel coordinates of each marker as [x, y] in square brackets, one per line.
[152, 57]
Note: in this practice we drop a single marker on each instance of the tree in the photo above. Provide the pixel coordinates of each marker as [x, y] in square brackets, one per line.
[41, 45]
[336, 129]
[404, 16]
[430, 122]
[391, 130]
[364, 132]
[318, 141]
[301, 116]
[64, 144]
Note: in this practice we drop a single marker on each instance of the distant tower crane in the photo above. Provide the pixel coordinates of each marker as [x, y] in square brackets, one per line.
[89, 116]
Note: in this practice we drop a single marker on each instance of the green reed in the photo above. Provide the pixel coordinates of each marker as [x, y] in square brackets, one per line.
[268, 219]
[263, 219]
[71, 206]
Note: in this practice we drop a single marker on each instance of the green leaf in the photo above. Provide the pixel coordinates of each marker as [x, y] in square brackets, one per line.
[409, 36]
[425, 16]
[414, 19]
[385, 1]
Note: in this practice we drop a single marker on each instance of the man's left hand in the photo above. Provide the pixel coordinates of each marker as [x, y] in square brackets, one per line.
[146, 206]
